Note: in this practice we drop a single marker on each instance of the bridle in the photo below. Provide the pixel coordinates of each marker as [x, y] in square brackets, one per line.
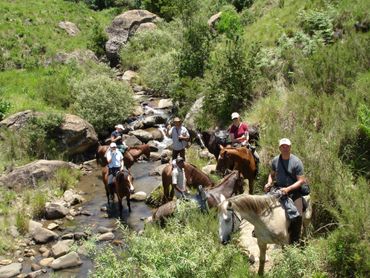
[234, 217]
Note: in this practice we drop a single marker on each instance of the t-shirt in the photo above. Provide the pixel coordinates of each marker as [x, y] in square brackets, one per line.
[116, 134]
[239, 131]
[178, 178]
[116, 158]
[293, 165]
[174, 133]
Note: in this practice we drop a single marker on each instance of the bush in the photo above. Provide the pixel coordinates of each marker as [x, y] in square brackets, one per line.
[230, 24]
[4, 108]
[65, 179]
[38, 202]
[21, 222]
[103, 102]
[97, 39]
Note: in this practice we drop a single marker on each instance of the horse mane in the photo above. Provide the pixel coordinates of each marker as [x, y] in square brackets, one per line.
[226, 178]
[256, 203]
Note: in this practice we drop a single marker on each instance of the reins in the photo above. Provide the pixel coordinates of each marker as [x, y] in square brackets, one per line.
[233, 216]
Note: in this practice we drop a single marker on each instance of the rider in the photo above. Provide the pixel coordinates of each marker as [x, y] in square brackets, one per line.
[239, 134]
[287, 176]
[115, 164]
[116, 137]
[178, 178]
[180, 137]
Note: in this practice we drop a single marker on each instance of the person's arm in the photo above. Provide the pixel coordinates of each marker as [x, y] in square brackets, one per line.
[300, 180]
[270, 181]
[109, 156]
[184, 134]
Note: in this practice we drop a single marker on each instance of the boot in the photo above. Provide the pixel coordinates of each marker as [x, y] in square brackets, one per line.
[295, 230]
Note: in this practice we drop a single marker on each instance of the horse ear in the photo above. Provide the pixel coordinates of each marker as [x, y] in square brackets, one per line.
[221, 147]
[222, 198]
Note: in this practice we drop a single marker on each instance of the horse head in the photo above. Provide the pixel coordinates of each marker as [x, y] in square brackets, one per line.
[224, 161]
[229, 221]
[100, 155]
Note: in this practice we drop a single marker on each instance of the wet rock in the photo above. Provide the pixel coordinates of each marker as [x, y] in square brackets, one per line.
[67, 236]
[46, 262]
[156, 134]
[80, 235]
[151, 121]
[132, 141]
[106, 236]
[103, 230]
[142, 135]
[10, 270]
[138, 196]
[165, 103]
[158, 170]
[42, 235]
[70, 260]
[35, 267]
[70, 217]
[72, 198]
[55, 210]
[61, 248]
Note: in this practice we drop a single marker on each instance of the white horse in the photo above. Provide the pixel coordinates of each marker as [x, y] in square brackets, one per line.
[265, 213]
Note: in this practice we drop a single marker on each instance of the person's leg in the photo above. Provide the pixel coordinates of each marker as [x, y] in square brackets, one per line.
[182, 153]
[174, 154]
[296, 224]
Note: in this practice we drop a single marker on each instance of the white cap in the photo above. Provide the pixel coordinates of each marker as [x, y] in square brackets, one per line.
[113, 145]
[119, 126]
[284, 141]
[235, 115]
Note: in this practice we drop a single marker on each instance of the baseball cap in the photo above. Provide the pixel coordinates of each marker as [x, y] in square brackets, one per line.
[284, 141]
[179, 159]
[119, 126]
[235, 115]
[113, 145]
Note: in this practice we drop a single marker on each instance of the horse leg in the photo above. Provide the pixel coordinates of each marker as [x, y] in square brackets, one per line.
[120, 207]
[251, 186]
[128, 202]
[262, 246]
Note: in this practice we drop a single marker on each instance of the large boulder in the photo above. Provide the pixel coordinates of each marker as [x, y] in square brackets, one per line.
[10, 270]
[19, 120]
[29, 174]
[71, 259]
[194, 111]
[122, 28]
[142, 135]
[77, 135]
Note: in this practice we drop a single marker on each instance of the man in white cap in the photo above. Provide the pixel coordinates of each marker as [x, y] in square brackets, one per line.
[178, 178]
[180, 138]
[115, 164]
[287, 176]
[116, 137]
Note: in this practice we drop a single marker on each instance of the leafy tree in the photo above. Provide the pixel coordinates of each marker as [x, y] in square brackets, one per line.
[102, 101]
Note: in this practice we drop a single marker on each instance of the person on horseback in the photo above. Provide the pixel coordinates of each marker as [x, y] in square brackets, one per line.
[180, 137]
[116, 137]
[239, 135]
[178, 178]
[287, 176]
[115, 164]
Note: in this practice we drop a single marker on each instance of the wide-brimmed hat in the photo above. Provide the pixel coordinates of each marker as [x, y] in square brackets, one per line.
[119, 126]
[176, 119]
[285, 141]
[235, 115]
[113, 145]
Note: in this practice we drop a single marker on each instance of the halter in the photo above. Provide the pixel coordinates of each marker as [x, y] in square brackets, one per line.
[233, 216]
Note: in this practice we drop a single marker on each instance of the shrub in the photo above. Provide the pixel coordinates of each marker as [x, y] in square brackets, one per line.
[4, 108]
[230, 24]
[38, 202]
[103, 102]
[65, 179]
[6, 199]
[97, 39]
[21, 222]
[241, 4]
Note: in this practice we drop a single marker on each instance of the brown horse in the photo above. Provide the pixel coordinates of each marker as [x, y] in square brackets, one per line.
[194, 177]
[230, 185]
[121, 188]
[238, 159]
[130, 156]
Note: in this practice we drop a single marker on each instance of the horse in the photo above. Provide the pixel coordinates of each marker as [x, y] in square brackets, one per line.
[241, 159]
[213, 140]
[264, 212]
[230, 185]
[121, 188]
[194, 177]
[130, 156]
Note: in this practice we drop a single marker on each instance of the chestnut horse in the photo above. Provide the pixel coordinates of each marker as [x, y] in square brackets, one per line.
[130, 156]
[194, 177]
[241, 159]
[121, 188]
[230, 185]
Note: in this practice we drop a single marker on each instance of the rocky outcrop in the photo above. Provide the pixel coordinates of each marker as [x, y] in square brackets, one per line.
[19, 120]
[77, 135]
[30, 174]
[69, 27]
[122, 28]
[194, 111]
[81, 56]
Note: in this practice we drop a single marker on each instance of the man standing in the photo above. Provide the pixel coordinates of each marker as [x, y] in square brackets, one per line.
[287, 176]
[180, 137]
[178, 178]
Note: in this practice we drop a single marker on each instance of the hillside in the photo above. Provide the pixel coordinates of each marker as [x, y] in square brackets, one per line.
[294, 68]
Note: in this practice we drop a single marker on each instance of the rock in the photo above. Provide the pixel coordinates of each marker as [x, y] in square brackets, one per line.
[34, 274]
[152, 120]
[31, 173]
[10, 270]
[194, 111]
[52, 226]
[165, 103]
[138, 196]
[209, 169]
[46, 254]
[69, 27]
[72, 198]
[158, 170]
[122, 28]
[154, 156]
[103, 230]
[5, 262]
[42, 235]
[67, 236]
[149, 26]
[81, 56]
[33, 226]
[132, 141]
[56, 210]
[129, 76]
[43, 249]
[142, 135]
[156, 133]
[213, 20]
[206, 154]
[35, 267]
[61, 247]
[106, 236]
[70, 260]
[46, 262]
[19, 120]
[13, 231]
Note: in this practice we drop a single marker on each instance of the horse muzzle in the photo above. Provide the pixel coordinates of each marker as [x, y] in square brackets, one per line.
[225, 240]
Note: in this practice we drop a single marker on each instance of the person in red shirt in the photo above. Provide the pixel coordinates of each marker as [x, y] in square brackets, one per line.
[239, 135]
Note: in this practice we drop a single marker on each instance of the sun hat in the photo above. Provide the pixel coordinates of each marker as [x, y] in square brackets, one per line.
[176, 119]
[284, 141]
[113, 145]
[235, 115]
[119, 126]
